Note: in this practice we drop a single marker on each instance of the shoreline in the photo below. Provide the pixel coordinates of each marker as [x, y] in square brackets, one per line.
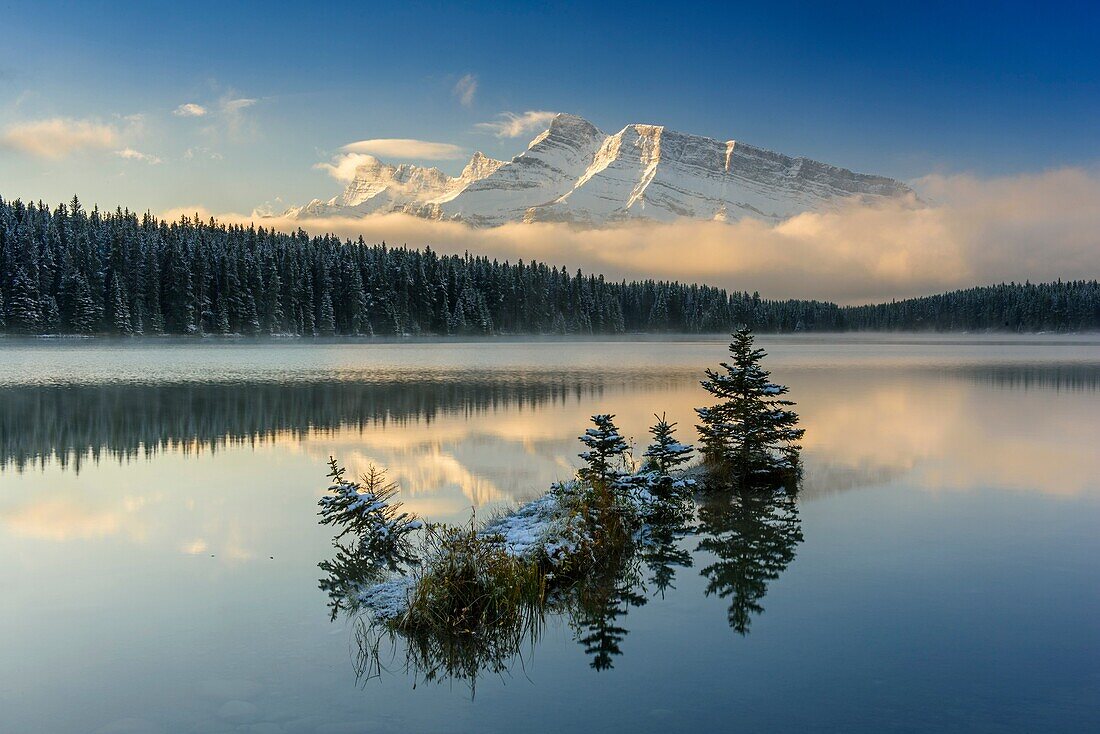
[854, 336]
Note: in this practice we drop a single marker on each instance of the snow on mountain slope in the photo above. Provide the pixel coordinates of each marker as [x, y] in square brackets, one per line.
[381, 188]
[573, 172]
[548, 169]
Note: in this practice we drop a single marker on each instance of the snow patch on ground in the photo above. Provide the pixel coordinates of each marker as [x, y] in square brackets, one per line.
[534, 527]
[389, 599]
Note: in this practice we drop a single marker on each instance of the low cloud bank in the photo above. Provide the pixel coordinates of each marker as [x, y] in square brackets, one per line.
[963, 231]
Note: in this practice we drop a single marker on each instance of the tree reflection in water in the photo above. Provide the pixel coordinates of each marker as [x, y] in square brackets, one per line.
[423, 653]
[347, 572]
[665, 552]
[597, 602]
[749, 538]
[440, 658]
[753, 536]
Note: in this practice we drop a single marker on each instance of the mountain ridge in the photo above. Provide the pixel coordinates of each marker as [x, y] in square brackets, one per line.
[576, 173]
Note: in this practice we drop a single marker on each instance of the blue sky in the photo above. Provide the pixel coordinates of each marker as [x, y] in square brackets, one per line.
[898, 89]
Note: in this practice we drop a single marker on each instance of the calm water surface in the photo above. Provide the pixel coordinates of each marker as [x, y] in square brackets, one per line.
[940, 570]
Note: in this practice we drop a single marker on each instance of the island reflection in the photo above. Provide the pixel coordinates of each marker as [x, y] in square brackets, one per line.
[742, 539]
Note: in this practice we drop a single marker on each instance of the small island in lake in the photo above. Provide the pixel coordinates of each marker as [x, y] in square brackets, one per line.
[466, 598]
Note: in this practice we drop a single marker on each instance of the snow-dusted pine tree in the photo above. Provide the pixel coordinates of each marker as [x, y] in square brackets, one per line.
[665, 453]
[367, 509]
[85, 316]
[120, 307]
[662, 457]
[326, 319]
[606, 455]
[751, 432]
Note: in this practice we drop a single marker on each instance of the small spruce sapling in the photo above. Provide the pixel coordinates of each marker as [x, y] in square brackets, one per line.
[368, 511]
[665, 453]
[606, 457]
[663, 456]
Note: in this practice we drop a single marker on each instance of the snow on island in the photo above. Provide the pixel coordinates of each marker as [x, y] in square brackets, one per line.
[544, 529]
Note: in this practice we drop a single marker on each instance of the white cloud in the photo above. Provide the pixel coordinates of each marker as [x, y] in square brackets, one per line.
[232, 110]
[137, 155]
[196, 212]
[406, 148]
[189, 109]
[511, 125]
[58, 137]
[342, 168]
[195, 547]
[234, 105]
[465, 89]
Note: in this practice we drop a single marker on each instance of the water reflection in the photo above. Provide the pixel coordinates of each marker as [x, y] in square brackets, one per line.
[598, 611]
[1058, 377]
[424, 654]
[994, 458]
[70, 423]
[665, 553]
[431, 658]
[594, 609]
[73, 423]
[746, 539]
[346, 573]
[499, 438]
[753, 536]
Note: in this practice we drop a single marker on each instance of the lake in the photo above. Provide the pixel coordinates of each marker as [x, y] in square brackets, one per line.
[940, 569]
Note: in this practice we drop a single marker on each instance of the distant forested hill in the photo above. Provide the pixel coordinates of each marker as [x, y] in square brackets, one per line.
[71, 271]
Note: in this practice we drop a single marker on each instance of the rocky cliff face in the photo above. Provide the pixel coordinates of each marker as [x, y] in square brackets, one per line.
[574, 172]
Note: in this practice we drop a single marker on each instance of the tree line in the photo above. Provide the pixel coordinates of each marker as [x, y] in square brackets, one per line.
[68, 270]
[1059, 306]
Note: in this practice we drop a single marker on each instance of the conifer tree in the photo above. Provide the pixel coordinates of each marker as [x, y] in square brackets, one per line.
[272, 288]
[662, 457]
[120, 307]
[179, 296]
[23, 305]
[137, 318]
[326, 319]
[24, 301]
[354, 300]
[222, 314]
[368, 511]
[751, 432]
[85, 315]
[51, 316]
[665, 453]
[606, 457]
[153, 305]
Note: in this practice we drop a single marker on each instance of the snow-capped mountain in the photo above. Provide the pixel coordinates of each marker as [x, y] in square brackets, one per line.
[574, 172]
